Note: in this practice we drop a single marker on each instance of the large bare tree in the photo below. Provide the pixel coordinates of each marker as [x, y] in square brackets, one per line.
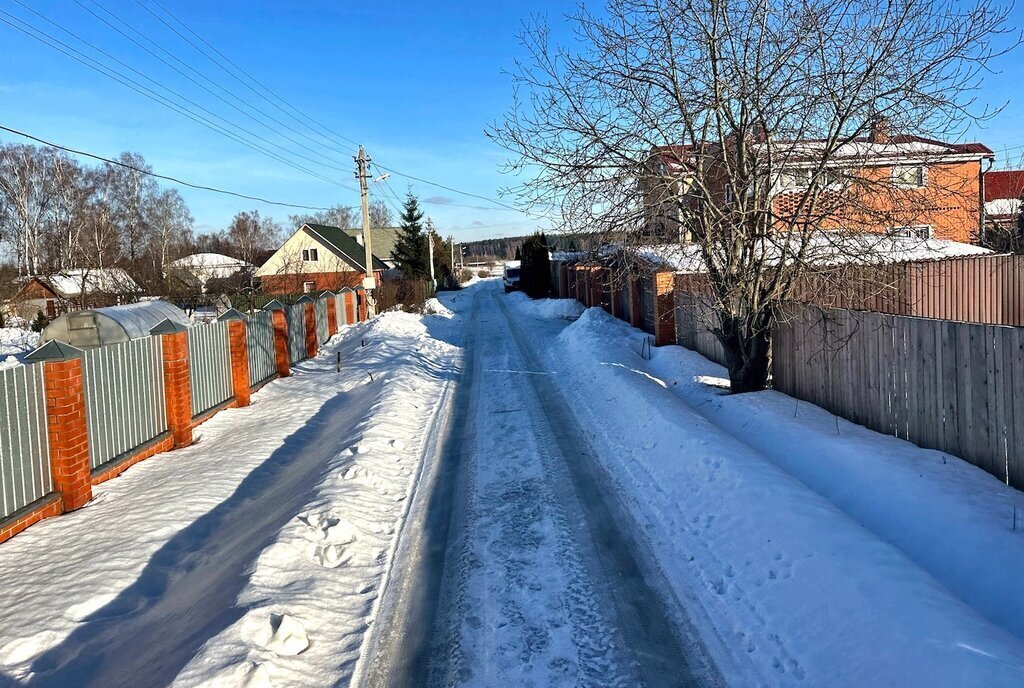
[698, 114]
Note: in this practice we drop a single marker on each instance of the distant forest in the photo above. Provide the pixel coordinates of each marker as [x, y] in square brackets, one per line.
[505, 247]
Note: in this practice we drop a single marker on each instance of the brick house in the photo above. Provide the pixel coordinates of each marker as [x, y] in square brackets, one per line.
[1004, 190]
[900, 184]
[314, 259]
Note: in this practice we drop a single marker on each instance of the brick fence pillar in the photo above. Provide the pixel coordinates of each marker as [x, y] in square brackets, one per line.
[177, 386]
[238, 345]
[332, 316]
[664, 308]
[67, 427]
[350, 307]
[309, 314]
[281, 354]
[362, 306]
[613, 290]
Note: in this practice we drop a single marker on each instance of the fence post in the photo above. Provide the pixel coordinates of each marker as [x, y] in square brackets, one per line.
[67, 428]
[361, 300]
[281, 356]
[332, 312]
[309, 314]
[238, 345]
[177, 385]
[663, 284]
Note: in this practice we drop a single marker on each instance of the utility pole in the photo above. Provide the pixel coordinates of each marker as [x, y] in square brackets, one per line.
[369, 283]
[430, 250]
[451, 245]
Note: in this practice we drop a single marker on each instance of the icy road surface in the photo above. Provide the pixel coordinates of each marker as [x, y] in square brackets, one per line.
[527, 552]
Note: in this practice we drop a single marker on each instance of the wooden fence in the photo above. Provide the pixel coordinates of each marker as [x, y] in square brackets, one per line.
[953, 386]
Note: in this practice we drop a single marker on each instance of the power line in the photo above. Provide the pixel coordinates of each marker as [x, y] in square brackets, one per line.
[155, 175]
[139, 88]
[269, 91]
[232, 74]
[198, 73]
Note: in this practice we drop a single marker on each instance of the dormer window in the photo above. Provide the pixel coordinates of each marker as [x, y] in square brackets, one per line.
[309, 255]
[909, 176]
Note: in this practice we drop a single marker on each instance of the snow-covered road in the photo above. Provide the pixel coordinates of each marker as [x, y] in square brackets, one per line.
[255, 556]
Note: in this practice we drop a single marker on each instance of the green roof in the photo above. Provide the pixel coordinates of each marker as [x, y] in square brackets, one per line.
[383, 239]
[344, 246]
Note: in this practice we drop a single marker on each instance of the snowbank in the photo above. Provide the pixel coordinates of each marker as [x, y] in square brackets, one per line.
[566, 309]
[14, 344]
[253, 557]
[800, 560]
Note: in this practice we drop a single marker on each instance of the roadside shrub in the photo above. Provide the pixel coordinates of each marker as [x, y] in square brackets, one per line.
[40, 323]
[483, 274]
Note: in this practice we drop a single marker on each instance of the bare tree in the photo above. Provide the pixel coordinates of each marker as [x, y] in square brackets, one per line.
[253, 235]
[762, 132]
[130, 191]
[380, 214]
[342, 216]
[25, 198]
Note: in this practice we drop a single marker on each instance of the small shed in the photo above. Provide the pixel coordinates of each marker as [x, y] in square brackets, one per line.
[95, 327]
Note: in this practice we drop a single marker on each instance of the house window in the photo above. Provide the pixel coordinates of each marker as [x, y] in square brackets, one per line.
[913, 231]
[801, 178]
[308, 287]
[309, 255]
[910, 176]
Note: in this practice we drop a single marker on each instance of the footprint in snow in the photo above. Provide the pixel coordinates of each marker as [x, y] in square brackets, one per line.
[331, 556]
[328, 528]
[287, 636]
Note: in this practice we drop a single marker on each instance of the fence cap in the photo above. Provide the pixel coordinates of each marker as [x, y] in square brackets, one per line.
[54, 351]
[274, 305]
[167, 326]
[327, 294]
[346, 289]
[231, 314]
[305, 298]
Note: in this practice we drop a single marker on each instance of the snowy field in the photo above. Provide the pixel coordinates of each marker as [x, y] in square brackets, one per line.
[253, 557]
[15, 342]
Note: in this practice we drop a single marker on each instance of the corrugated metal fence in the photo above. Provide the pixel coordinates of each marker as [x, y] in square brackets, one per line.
[209, 366]
[956, 387]
[260, 340]
[24, 449]
[124, 397]
[296, 317]
[322, 334]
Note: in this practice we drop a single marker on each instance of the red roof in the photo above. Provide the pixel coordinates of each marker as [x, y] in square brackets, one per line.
[1004, 184]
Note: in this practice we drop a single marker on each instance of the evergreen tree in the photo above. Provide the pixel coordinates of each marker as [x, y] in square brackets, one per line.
[410, 251]
[519, 253]
[535, 273]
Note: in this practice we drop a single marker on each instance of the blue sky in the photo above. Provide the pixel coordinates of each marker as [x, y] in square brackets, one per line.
[416, 82]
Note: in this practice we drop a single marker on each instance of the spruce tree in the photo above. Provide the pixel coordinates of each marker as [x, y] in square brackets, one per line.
[535, 273]
[410, 251]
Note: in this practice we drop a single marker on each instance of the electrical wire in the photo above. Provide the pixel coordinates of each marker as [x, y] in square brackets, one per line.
[155, 175]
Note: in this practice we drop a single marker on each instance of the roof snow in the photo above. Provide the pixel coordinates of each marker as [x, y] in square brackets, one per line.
[824, 248]
[72, 283]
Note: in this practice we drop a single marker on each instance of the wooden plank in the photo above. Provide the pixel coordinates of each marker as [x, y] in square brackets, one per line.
[1015, 367]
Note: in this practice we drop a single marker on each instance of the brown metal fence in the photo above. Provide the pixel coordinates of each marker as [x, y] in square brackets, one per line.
[953, 386]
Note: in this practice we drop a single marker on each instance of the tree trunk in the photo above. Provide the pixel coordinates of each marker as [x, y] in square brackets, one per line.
[747, 343]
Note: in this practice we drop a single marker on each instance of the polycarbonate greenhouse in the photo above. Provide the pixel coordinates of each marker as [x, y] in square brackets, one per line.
[95, 327]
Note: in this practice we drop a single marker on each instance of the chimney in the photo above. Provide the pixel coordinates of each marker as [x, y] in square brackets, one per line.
[879, 130]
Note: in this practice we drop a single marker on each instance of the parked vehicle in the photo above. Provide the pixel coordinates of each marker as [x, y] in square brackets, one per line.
[511, 275]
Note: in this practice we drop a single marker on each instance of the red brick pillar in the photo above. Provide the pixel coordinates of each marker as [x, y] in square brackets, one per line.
[664, 308]
[613, 291]
[309, 314]
[350, 307]
[239, 347]
[332, 316]
[177, 387]
[67, 431]
[362, 307]
[281, 355]
[634, 302]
